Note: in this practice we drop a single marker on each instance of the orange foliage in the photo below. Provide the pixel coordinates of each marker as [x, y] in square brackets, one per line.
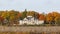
[18, 15]
[49, 17]
[52, 16]
[1, 18]
[55, 14]
[41, 17]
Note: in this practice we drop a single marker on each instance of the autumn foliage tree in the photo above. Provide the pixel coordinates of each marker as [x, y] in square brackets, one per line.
[1, 20]
[30, 13]
[52, 17]
[41, 17]
[13, 16]
[49, 18]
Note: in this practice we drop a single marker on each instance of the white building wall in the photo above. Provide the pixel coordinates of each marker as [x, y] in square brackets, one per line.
[31, 22]
[20, 22]
[41, 22]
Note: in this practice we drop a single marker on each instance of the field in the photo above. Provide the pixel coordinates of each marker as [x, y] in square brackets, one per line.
[30, 30]
[28, 33]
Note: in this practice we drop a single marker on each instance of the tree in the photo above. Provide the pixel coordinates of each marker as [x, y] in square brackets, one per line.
[30, 13]
[14, 17]
[13, 14]
[57, 19]
[18, 16]
[49, 18]
[36, 15]
[55, 15]
[1, 20]
[24, 14]
[41, 17]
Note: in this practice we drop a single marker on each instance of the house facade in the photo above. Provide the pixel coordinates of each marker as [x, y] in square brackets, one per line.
[29, 20]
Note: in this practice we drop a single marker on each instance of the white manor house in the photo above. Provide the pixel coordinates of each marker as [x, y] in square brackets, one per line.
[29, 20]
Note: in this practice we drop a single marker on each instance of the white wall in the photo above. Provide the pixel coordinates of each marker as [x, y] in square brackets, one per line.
[31, 22]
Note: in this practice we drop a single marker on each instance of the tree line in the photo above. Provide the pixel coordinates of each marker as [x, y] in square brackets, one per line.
[13, 17]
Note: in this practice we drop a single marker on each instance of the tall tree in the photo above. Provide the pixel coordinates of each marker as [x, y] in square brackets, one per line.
[24, 14]
[49, 18]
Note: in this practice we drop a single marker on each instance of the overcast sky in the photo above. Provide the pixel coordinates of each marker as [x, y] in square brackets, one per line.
[36, 5]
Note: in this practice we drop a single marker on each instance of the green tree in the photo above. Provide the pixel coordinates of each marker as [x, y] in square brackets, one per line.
[36, 15]
[24, 14]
